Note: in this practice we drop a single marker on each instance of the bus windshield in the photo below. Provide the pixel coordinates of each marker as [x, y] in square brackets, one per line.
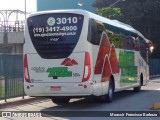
[55, 35]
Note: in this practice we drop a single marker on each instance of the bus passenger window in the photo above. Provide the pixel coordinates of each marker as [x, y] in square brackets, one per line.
[100, 29]
[115, 39]
[129, 42]
[137, 43]
[143, 50]
[94, 32]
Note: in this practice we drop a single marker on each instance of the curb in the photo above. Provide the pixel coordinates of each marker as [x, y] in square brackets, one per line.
[19, 101]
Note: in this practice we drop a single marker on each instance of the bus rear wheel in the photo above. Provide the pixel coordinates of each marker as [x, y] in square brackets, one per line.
[107, 98]
[109, 95]
[60, 100]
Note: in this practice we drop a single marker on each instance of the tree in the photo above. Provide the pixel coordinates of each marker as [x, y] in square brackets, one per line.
[109, 12]
[143, 15]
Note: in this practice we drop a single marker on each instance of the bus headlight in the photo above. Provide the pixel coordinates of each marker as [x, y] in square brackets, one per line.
[151, 49]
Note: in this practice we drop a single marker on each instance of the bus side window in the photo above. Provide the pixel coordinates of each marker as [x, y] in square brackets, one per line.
[142, 48]
[114, 37]
[95, 31]
[129, 42]
[137, 43]
[100, 29]
[92, 32]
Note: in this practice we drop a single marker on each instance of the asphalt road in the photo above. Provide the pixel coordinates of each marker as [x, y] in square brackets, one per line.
[127, 101]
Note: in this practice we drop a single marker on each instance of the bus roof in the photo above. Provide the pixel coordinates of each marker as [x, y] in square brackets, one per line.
[112, 24]
[118, 25]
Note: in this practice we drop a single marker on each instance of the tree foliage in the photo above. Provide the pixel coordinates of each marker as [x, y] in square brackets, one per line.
[143, 15]
[108, 12]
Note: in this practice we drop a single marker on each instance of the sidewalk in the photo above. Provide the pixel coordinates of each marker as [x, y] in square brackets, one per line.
[18, 100]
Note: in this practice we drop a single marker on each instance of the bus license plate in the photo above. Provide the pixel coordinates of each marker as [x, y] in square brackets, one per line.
[55, 88]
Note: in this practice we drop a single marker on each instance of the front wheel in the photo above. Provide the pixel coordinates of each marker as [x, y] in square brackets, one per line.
[138, 89]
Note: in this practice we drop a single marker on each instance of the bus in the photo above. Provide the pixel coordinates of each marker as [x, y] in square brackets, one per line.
[75, 53]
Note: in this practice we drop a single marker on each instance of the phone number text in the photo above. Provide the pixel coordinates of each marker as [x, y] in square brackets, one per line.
[54, 29]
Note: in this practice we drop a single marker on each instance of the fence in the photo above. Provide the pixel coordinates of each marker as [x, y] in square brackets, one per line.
[11, 76]
[12, 26]
[154, 68]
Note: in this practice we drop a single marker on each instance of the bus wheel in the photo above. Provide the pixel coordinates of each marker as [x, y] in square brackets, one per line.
[109, 96]
[60, 100]
[138, 89]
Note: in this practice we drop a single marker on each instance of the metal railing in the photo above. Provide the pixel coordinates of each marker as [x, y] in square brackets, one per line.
[11, 76]
[12, 26]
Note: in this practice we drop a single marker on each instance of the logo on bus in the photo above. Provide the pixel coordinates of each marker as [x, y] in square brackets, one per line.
[51, 21]
[69, 62]
[56, 72]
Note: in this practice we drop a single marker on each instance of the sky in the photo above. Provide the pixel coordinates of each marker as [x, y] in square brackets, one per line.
[31, 5]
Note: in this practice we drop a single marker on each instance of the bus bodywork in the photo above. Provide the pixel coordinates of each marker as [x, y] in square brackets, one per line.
[72, 53]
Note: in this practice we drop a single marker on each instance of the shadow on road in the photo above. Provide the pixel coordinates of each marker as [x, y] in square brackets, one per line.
[123, 99]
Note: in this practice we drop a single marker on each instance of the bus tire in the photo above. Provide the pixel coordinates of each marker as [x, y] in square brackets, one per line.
[109, 95]
[60, 100]
[138, 89]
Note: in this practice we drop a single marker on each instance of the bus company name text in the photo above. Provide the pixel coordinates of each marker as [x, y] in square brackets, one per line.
[59, 72]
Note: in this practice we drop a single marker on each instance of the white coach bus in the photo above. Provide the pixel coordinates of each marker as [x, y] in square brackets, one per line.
[75, 53]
